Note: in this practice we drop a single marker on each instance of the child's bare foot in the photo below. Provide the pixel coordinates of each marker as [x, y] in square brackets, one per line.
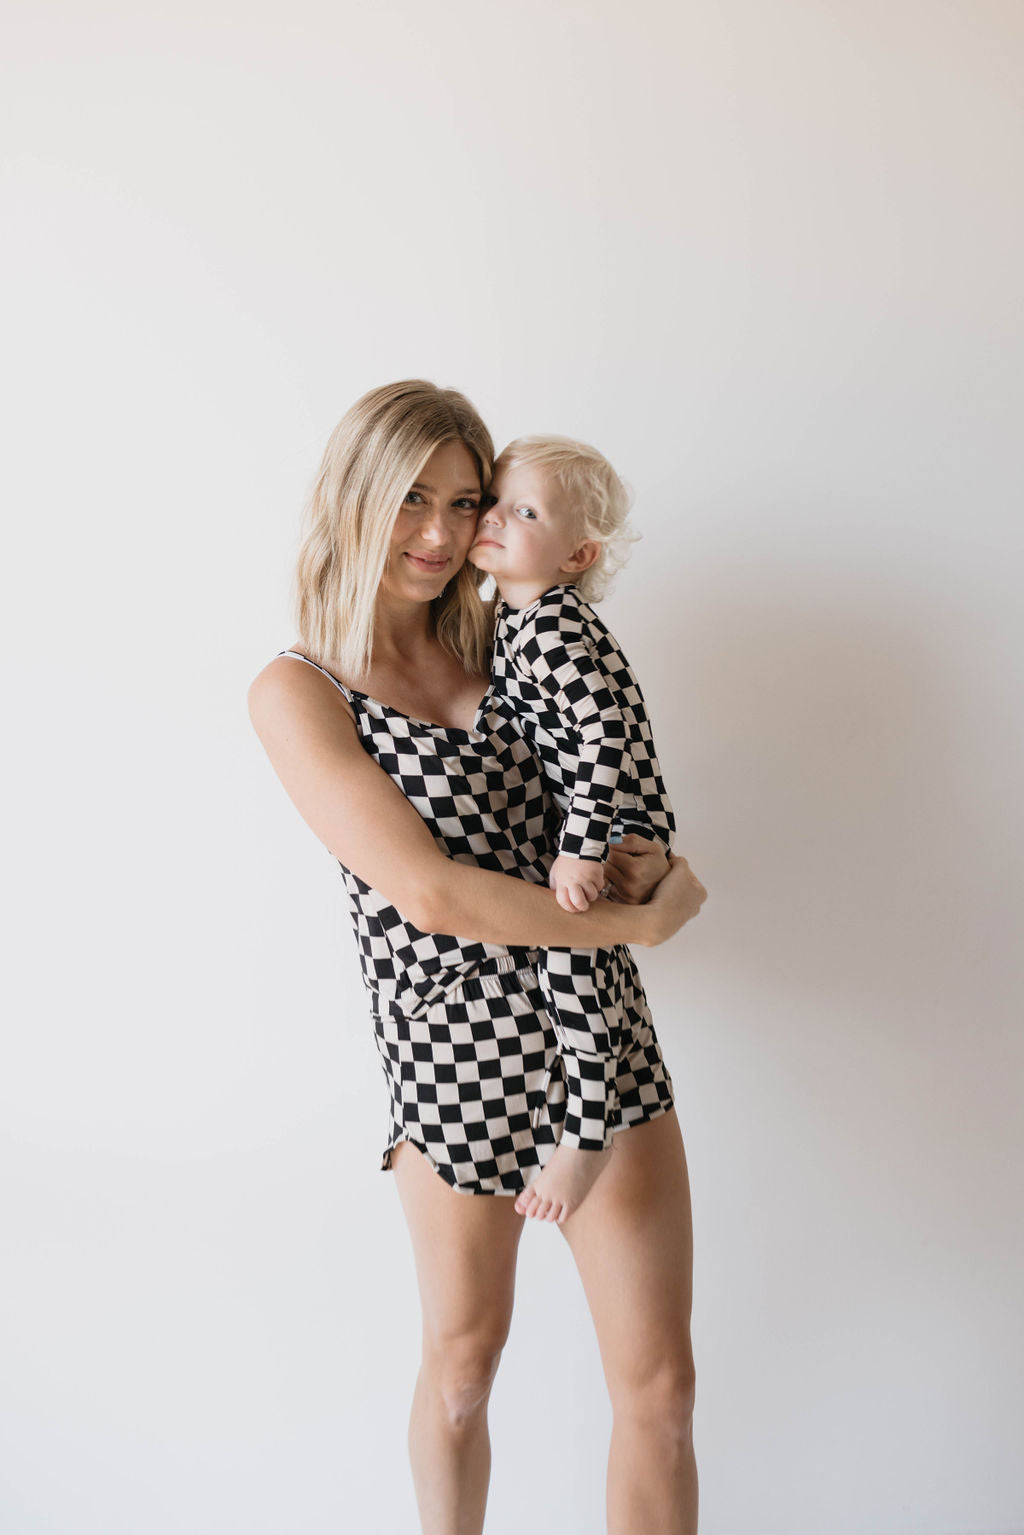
[564, 1184]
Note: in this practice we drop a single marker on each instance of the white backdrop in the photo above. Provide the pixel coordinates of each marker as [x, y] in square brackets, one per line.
[767, 255]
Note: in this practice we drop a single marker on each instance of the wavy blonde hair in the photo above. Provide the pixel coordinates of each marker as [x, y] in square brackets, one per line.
[374, 454]
[600, 501]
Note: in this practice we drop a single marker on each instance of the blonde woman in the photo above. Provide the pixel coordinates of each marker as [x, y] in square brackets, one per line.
[379, 723]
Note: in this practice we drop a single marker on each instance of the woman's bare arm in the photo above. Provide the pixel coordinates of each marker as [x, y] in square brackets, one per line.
[363, 818]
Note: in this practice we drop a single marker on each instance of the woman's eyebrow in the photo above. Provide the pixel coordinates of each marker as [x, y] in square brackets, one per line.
[468, 490]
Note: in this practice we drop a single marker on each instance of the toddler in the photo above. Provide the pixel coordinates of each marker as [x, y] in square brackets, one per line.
[551, 534]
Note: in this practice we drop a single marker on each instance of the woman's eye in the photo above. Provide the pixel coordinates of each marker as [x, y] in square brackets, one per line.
[414, 498]
[467, 504]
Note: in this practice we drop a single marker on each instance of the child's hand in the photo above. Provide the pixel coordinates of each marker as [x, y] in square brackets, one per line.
[577, 882]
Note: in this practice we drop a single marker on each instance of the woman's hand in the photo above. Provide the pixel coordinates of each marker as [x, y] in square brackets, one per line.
[678, 897]
[635, 866]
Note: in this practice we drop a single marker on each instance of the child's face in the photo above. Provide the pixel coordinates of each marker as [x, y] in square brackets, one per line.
[527, 538]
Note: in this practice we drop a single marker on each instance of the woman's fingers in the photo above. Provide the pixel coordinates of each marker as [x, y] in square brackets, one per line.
[625, 878]
[631, 843]
[636, 866]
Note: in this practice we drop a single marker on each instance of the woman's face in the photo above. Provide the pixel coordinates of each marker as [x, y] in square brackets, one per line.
[436, 525]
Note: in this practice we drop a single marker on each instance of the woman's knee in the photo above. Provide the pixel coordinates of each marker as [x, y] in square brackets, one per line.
[460, 1368]
[660, 1402]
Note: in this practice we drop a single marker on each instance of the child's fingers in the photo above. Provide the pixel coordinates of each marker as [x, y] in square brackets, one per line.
[577, 894]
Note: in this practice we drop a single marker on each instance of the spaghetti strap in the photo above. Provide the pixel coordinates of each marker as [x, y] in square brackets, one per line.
[299, 657]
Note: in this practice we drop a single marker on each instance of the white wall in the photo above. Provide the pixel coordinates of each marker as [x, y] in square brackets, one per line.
[767, 255]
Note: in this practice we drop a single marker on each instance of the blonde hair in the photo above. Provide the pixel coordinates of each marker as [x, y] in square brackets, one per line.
[600, 501]
[374, 454]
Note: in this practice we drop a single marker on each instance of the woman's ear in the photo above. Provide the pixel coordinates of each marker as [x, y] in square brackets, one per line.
[582, 558]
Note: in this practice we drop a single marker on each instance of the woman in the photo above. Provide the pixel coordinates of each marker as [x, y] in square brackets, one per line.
[379, 725]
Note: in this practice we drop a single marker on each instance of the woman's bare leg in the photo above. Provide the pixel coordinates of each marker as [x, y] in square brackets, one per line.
[465, 1250]
[632, 1240]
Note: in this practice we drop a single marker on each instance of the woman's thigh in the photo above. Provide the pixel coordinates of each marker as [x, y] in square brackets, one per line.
[465, 1248]
[632, 1240]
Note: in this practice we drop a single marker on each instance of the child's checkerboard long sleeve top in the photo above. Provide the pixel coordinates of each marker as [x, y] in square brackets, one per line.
[567, 679]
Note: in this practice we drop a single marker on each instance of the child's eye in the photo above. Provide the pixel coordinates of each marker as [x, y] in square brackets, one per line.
[527, 513]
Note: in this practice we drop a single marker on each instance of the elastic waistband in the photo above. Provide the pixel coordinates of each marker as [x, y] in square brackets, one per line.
[513, 972]
[496, 985]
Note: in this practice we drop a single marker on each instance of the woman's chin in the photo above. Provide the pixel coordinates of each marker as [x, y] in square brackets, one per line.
[417, 586]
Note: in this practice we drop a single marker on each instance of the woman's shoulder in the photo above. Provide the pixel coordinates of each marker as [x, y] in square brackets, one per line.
[289, 676]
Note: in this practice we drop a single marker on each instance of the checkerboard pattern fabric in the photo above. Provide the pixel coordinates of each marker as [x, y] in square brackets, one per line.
[563, 672]
[558, 667]
[478, 1084]
[475, 1077]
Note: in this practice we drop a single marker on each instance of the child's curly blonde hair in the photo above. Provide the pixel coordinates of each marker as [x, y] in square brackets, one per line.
[599, 500]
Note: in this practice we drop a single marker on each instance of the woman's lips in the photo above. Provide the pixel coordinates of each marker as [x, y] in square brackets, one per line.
[431, 562]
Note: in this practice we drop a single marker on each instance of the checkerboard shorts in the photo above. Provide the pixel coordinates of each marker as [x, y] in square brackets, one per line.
[477, 1084]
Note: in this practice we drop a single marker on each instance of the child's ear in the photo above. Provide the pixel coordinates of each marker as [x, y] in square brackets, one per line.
[582, 558]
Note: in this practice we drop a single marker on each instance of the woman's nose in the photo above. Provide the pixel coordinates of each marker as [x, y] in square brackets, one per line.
[434, 527]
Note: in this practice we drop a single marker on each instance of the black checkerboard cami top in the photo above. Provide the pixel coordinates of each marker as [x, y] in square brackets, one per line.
[482, 794]
[563, 673]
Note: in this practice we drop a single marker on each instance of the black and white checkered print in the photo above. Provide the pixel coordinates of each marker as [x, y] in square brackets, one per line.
[564, 674]
[556, 664]
[478, 1084]
[467, 1047]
